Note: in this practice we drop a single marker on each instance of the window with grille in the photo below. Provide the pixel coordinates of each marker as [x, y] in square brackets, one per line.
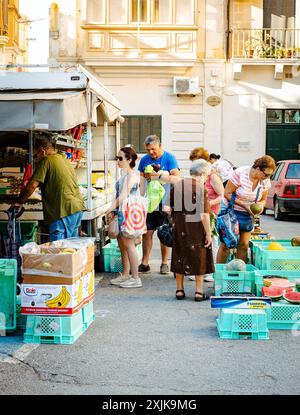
[136, 128]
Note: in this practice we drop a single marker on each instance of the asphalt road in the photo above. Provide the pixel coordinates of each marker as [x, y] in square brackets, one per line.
[145, 342]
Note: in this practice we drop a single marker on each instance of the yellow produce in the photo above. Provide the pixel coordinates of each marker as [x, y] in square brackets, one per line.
[61, 300]
[47, 265]
[275, 246]
[68, 251]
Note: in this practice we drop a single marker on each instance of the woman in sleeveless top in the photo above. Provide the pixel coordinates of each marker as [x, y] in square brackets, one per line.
[127, 185]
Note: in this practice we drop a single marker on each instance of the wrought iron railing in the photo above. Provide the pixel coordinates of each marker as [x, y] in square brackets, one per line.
[265, 43]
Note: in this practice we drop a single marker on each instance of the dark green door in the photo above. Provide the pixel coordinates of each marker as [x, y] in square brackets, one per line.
[283, 134]
[283, 141]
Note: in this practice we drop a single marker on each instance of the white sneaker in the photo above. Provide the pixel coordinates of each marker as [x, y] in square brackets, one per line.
[119, 279]
[192, 277]
[209, 278]
[131, 283]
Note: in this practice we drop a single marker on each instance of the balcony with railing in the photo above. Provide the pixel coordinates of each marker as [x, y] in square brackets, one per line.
[265, 44]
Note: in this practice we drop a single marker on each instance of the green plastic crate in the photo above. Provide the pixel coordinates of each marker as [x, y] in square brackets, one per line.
[257, 245]
[8, 294]
[235, 324]
[21, 318]
[54, 330]
[112, 256]
[288, 260]
[28, 230]
[259, 281]
[88, 315]
[283, 316]
[234, 281]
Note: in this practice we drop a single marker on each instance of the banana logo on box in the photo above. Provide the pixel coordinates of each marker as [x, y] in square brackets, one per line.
[60, 301]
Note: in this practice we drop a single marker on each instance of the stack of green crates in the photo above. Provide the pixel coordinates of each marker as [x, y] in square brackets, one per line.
[8, 294]
[112, 256]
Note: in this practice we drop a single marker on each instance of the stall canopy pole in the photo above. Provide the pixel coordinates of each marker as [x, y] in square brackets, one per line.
[106, 154]
[30, 158]
[118, 142]
[89, 150]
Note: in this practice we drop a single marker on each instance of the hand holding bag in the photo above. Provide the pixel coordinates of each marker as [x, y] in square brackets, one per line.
[113, 228]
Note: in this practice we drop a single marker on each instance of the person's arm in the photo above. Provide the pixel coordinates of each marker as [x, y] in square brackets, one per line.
[218, 187]
[174, 172]
[229, 190]
[126, 189]
[27, 191]
[142, 184]
[263, 200]
[206, 225]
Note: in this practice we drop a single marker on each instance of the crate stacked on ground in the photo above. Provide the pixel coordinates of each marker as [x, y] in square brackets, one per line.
[112, 256]
[231, 281]
[283, 262]
[57, 290]
[8, 284]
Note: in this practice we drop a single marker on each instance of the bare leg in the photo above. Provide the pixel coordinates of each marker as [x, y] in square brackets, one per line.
[164, 253]
[222, 255]
[179, 281]
[132, 256]
[147, 246]
[242, 249]
[125, 259]
[199, 285]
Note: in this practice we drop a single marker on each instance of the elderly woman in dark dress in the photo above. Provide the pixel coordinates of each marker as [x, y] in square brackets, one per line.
[191, 252]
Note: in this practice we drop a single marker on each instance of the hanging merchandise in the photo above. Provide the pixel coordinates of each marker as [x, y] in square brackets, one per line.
[27, 175]
[155, 191]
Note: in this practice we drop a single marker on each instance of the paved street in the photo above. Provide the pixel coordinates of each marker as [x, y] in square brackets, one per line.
[145, 342]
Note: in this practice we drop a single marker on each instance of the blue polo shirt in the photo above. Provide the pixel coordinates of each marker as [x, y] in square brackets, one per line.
[167, 162]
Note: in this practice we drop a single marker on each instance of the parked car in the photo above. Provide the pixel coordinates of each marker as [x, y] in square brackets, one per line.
[284, 194]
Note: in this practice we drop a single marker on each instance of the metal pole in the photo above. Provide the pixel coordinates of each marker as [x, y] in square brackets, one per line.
[30, 158]
[118, 142]
[89, 158]
[106, 155]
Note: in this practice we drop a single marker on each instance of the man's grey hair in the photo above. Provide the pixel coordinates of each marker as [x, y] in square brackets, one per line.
[152, 139]
[200, 167]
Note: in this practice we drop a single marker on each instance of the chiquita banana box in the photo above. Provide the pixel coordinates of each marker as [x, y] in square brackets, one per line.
[43, 299]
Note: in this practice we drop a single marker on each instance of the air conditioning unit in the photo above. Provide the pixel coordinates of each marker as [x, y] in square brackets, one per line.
[183, 85]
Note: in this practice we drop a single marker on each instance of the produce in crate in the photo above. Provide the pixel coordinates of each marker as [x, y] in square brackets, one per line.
[295, 241]
[292, 297]
[275, 293]
[236, 265]
[275, 246]
[277, 281]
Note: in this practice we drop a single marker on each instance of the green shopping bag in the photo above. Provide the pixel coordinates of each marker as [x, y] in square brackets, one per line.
[155, 192]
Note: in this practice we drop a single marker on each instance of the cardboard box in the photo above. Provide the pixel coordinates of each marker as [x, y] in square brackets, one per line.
[48, 299]
[52, 263]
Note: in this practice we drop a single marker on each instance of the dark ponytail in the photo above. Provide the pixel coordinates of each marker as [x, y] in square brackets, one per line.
[214, 156]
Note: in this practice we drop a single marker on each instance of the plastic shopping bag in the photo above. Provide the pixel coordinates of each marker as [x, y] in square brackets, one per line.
[228, 226]
[134, 209]
[155, 192]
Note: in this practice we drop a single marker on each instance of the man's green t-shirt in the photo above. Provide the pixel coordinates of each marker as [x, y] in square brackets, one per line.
[60, 191]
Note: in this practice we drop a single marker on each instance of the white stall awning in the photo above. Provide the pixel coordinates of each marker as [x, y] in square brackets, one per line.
[55, 110]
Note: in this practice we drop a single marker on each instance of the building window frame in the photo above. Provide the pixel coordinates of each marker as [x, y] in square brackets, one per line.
[151, 18]
[138, 141]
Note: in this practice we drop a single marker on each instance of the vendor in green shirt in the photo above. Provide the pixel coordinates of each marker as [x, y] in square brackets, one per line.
[62, 202]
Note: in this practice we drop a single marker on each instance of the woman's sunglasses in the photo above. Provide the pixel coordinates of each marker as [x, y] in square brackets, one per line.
[120, 158]
[266, 174]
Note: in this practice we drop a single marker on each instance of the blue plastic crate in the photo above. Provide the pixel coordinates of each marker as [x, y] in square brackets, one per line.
[242, 324]
[234, 281]
[88, 315]
[54, 330]
[8, 294]
[259, 281]
[257, 245]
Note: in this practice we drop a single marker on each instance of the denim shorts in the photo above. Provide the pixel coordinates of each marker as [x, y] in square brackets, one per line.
[245, 221]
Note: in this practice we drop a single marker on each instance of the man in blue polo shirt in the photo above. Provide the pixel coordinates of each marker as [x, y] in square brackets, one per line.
[159, 160]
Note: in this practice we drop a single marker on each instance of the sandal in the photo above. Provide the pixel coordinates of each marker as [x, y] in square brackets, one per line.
[180, 297]
[202, 298]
